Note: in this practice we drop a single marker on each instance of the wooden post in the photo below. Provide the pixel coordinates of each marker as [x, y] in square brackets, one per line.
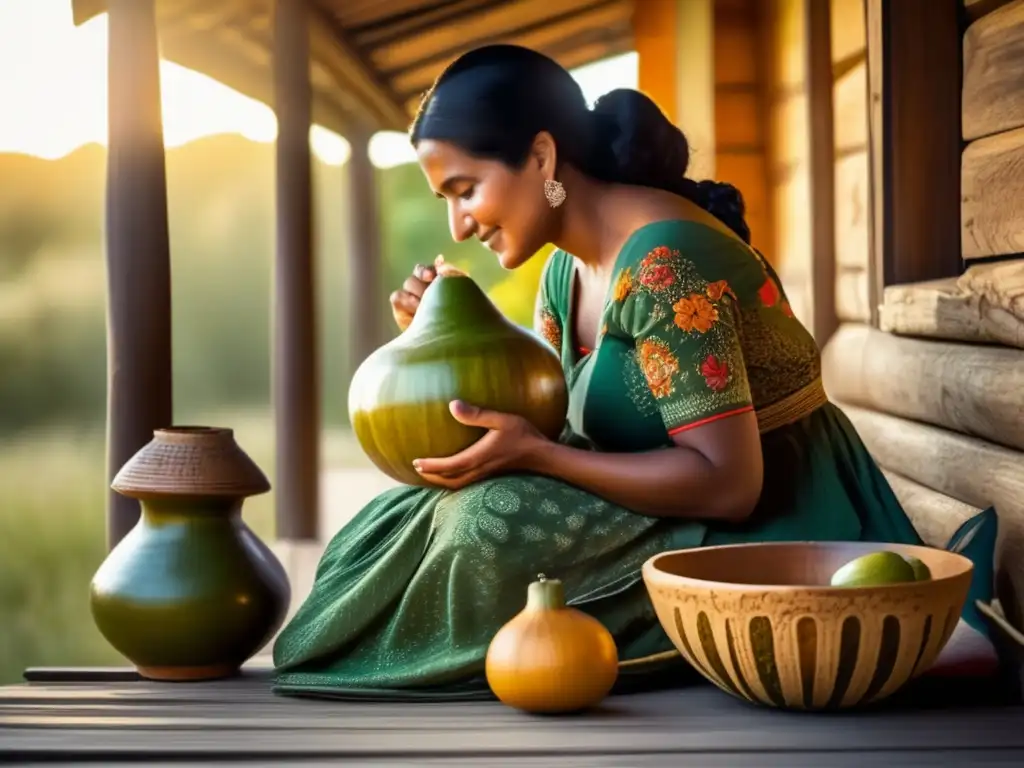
[365, 296]
[914, 77]
[821, 155]
[675, 43]
[139, 397]
[296, 369]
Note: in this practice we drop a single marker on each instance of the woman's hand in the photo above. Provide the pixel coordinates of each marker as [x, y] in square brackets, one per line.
[406, 300]
[509, 445]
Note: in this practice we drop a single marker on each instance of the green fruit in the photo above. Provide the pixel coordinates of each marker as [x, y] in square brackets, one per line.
[872, 570]
[921, 571]
[458, 347]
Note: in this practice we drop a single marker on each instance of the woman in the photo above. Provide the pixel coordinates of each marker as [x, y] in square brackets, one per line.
[697, 415]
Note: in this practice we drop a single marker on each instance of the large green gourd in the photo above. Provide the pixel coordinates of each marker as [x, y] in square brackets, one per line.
[458, 346]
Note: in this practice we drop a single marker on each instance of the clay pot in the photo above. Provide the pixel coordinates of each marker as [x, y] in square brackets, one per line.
[191, 592]
[761, 622]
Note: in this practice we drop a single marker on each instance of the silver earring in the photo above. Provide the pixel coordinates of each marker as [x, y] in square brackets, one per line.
[554, 192]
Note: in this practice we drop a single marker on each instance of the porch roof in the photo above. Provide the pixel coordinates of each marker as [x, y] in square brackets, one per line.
[372, 60]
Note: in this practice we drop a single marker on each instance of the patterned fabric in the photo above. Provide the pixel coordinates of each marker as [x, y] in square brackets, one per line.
[409, 594]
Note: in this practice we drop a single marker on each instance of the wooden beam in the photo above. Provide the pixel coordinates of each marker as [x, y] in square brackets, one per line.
[821, 164]
[972, 389]
[357, 91]
[853, 239]
[975, 9]
[935, 515]
[296, 367]
[329, 44]
[848, 33]
[366, 295]
[242, 63]
[993, 191]
[405, 52]
[654, 26]
[852, 302]
[994, 73]
[851, 109]
[985, 304]
[914, 133]
[402, 26]
[592, 23]
[139, 396]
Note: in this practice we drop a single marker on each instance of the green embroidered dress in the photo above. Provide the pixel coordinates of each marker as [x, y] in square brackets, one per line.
[695, 328]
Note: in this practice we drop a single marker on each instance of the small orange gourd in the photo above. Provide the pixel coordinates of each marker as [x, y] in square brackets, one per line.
[551, 657]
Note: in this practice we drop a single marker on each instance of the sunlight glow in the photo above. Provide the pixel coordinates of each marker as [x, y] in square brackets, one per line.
[53, 92]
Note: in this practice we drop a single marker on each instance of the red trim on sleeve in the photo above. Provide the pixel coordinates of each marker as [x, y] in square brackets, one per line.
[709, 419]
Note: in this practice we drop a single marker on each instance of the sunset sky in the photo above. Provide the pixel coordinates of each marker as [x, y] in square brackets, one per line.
[53, 87]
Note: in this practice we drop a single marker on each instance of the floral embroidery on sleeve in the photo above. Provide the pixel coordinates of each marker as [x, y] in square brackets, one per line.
[659, 366]
[687, 345]
[551, 329]
[623, 285]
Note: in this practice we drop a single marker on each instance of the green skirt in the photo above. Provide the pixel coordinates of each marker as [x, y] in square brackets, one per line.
[408, 595]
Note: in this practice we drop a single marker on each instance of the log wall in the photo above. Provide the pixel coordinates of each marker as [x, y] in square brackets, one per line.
[992, 169]
[937, 391]
[850, 103]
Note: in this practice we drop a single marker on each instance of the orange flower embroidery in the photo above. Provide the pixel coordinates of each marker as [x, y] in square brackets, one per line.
[551, 330]
[718, 289]
[715, 373]
[623, 285]
[657, 277]
[659, 366]
[695, 313]
[768, 293]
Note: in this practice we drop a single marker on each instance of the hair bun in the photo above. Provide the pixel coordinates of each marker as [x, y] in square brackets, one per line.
[637, 140]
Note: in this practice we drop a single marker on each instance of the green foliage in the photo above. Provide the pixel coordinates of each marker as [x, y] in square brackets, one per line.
[221, 210]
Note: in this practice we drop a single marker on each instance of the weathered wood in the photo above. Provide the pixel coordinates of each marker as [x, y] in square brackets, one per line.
[914, 134]
[598, 19]
[917, 758]
[366, 294]
[993, 99]
[852, 305]
[853, 238]
[821, 166]
[971, 308]
[295, 360]
[935, 515]
[993, 188]
[139, 378]
[972, 389]
[975, 9]
[848, 34]
[417, 46]
[242, 720]
[971, 470]
[851, 106]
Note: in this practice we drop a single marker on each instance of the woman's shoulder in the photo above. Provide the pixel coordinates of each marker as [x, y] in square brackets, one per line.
[692, 246]
[556, 278]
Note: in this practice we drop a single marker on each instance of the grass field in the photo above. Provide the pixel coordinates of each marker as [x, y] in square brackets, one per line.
[52, 535]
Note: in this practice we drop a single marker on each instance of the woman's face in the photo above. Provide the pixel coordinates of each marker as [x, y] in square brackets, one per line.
[503, 207]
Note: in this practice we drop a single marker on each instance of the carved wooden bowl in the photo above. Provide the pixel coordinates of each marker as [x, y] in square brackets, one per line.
[761, 622]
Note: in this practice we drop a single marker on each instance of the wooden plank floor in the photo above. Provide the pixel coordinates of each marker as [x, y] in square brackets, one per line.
[128, 721]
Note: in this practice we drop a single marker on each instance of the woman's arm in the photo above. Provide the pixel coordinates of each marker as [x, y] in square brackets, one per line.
[714, 472]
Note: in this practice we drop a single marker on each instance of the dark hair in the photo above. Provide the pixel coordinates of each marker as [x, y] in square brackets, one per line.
[494, 100]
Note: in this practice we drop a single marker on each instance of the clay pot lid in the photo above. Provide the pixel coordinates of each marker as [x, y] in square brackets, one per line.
[191, 461]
